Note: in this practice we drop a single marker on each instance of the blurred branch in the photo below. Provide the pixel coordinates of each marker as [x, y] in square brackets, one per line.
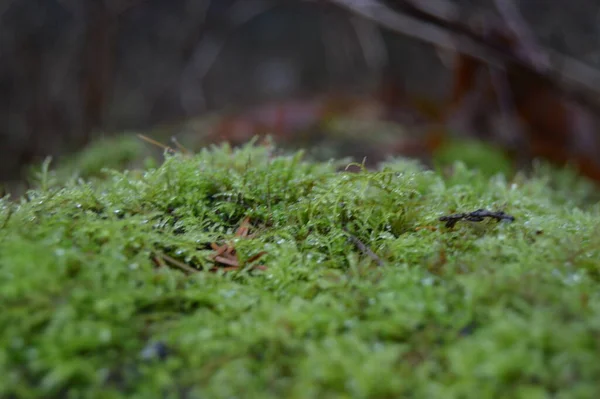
[336, 38]
[371, 43]
[4, 7]
[98, 64]
[513, 19]
[437, 22]
[207, 51]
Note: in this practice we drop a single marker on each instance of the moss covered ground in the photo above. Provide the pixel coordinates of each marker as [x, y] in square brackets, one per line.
[110, 287]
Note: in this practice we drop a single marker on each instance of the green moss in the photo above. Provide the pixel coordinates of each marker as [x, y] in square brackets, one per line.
[111, 152]
[476, 155]
[482, 310]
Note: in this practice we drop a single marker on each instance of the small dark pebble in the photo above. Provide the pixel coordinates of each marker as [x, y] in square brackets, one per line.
[155, 350]
[467, 330]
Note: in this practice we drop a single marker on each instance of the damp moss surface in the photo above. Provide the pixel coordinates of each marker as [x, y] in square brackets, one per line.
[108, 288]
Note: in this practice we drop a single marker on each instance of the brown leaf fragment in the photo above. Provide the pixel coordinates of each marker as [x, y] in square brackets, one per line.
[244, 228]
[227, 261]
[256, 257]
[219, 250]
[226, 254]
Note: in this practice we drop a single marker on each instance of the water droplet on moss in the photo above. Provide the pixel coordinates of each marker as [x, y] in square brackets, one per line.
[228, 293]
[427, 281]
[17, 343]
[155, 350]
[105, 335]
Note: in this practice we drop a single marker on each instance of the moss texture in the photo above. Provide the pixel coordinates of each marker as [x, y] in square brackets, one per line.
[90, 307]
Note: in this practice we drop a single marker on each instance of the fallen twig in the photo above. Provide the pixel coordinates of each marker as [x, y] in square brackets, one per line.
[178, 264]
[476, 216]
[156, 143]
[364, 248]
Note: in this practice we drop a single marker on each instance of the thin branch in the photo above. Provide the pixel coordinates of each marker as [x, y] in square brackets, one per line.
[364, 248]
[208, 50]
[156, 143]
[513, 19]
[401, 23]
[439, 8]
[180, 265]
[441, 27]
[511, 129]
[371, 42]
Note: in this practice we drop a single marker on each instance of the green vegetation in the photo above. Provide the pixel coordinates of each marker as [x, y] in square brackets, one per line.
[92, 306]
[112, 152]
[474, 154]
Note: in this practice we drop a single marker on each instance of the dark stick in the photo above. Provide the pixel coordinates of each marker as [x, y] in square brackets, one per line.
[476, 216]
[363, 248]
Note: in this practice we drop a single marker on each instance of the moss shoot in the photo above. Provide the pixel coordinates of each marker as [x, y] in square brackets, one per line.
[111, 288]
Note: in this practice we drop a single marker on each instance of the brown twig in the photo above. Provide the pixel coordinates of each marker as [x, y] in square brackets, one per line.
[219, 249]
[180, 265]
[159, 261]
[156, 143]
[227, 261]
[180, 147]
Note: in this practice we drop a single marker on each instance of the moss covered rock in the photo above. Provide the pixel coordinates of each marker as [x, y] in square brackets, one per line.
[112, 288]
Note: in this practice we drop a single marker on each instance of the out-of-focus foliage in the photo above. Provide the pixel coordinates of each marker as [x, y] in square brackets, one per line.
[489, 160]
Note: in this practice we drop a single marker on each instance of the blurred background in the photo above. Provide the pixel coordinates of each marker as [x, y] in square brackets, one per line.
[312, 74]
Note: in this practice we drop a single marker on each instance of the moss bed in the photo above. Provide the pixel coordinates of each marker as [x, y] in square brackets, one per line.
[108, 287]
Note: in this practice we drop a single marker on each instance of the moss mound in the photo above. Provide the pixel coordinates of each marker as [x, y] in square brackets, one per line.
[112, 288]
